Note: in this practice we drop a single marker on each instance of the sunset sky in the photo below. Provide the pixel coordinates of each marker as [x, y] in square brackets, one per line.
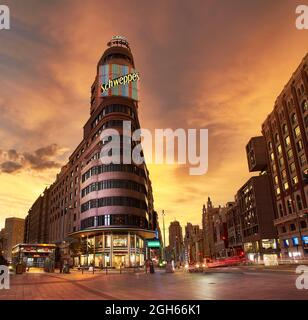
[215, 64]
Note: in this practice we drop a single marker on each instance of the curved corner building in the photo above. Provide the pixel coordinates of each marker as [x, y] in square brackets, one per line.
[116, 203]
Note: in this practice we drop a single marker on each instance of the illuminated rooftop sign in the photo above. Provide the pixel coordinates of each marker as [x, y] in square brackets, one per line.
[118, 80]
[123, 80]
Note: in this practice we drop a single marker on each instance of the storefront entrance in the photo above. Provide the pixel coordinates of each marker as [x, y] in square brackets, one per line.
[118, 260]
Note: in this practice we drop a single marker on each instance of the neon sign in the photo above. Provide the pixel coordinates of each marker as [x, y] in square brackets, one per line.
[118, 80]
[123, 80]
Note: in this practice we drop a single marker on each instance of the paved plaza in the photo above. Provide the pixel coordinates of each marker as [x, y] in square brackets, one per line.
[220, 283]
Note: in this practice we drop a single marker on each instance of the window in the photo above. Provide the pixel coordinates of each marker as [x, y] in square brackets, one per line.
[297, 132]
[303, 224]
[289, 205]
[283, 229]
[292, 227]
[299, 202]
[292, 167]
[270, 146]
[290, 154]
[276, 180]
[302, 160]
[295, 180]
[276, 137]
[304, 106]
[280, 210]
[284, 129]
[281, 162]
[287, 141]
[283, 174]
[274, 167]
[299, 145]
[278, 191]
[293, 118]
[286, 186]
[279, 150]
[107, 219]
[272, 156]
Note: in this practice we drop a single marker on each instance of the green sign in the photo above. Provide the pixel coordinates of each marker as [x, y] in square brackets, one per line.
[153, 244]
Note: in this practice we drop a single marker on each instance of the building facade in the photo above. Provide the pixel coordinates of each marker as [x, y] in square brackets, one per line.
[102, 213]
[37, 220]
[285, 131]
[235, 238]
[214, 230]
[11, 234]
[176, 240]
[193, 243]
[256, 210]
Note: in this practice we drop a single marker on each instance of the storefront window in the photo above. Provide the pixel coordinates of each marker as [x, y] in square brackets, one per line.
[119, 241]
[107, 241]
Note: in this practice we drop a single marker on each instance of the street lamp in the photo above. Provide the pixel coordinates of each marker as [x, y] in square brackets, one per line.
[164, 231]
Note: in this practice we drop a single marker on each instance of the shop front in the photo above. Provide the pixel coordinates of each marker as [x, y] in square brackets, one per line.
[111, 249]
[33, 255]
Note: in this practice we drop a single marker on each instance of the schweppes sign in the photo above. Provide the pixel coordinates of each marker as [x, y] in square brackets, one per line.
[118, 80]
[122, 80]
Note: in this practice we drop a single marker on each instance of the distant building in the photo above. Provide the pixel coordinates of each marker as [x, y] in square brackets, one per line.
[12, 234]
[176, 240]
[36, 223]
[256, 211]
[193, 244]
[235, 239]
[214, 230]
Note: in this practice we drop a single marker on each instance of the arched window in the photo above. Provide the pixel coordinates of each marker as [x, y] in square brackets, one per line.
[270, 146]
[276, 137]
[293, 118]
[299, 202]
[280, 210]
[305, 106]
[289, 204]
[285, 129]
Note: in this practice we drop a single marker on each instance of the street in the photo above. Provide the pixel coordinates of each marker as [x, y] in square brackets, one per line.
[218, 283]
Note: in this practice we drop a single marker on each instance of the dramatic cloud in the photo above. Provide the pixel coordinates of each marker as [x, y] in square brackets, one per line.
[40, 159]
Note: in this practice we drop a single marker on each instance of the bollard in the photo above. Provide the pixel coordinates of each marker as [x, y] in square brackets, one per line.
[120, 270]
[81, 270]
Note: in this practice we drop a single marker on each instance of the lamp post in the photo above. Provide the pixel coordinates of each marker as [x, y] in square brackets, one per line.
[164, 230]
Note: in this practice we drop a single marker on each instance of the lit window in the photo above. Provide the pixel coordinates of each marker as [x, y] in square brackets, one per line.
[299, 145]
[292, 167]
[276, 180]
[279, 149]
[272, 156]
[295, 180]
[297, 132]
[284, 174]
[302, 160]
[287, 141]
[286, 186]
[290, 154]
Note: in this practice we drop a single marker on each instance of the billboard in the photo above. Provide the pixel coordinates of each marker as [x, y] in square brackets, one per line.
[118, 80]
